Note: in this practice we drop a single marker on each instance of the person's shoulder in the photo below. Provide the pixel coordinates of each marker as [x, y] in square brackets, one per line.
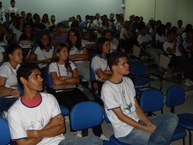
[96, 57]
[4, 66]
[127, 79]
[15, 107]
[47, 96]
[107, 84]
[52, 63]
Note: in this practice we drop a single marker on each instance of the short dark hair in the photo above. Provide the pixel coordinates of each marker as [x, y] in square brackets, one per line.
[25, 71]
[113, 58]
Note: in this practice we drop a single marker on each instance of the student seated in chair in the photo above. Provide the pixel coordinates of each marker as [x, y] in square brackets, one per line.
[35, 118]
[129, 122]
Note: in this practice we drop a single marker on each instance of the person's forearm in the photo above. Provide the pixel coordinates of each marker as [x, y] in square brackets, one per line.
[78, 57]
[29, 141]
[4, 91]
[131, 122]
[51, 132]
[73, 80]
[143, 117]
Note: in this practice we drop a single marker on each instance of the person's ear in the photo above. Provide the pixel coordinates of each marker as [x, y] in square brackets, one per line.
[114, 67]
[23, 80]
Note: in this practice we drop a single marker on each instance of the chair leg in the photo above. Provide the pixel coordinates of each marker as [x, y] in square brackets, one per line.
[183, 140]
[190, 137]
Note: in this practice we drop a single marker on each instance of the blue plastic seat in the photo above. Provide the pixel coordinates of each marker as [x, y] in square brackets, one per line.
[64, 110]
[86, 115]
[151, 100]
[140, 76]
[5, 137]
[116, 141]
[176, 96]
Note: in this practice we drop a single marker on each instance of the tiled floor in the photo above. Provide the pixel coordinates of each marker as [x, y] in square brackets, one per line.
[186, 107]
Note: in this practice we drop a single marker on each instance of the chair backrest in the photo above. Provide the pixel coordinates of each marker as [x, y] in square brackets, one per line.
[175, 96]
[85, 115]
[139, 72]
[152, 100]
[5, 137]
[136, 51]
[164, 61]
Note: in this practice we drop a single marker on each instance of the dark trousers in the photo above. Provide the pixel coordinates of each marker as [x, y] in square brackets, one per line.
[69, 98]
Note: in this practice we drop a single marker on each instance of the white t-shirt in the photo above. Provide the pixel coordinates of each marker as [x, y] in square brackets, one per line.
[42, 54]
[9, 73]
[159, 38]
[12, 10]
[168, 44]
[119, 95]
[99, 63]
[74, 50]
[60, 69]
[186, 44]
[123, 31]
[22, 118]
[144, 38]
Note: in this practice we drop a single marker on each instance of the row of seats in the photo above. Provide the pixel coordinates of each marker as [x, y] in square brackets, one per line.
[91, 114]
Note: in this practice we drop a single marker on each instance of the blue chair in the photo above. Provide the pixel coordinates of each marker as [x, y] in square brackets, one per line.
[64, 110]
[116, 141]
[86, 115]
[176, 96]
[5, 137]
[152, 100]
[113, 139]
[140, 76]
[48, 83]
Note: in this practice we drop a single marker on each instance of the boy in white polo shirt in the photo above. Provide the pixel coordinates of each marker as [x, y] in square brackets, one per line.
[35, 118]
[129, 122]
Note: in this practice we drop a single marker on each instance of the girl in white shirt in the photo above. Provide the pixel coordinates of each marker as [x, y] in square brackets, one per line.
[78, 53]
[8, 82]
[64, 72]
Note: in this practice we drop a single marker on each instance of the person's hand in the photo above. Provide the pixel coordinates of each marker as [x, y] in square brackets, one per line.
[15, 93]
[32, 133]
[151, 128]
[57, 120]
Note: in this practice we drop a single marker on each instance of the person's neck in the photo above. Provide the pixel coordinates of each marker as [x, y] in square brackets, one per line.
[61, 62]
[13, 64]
[30, 95]
[103, 55]
[116, 78]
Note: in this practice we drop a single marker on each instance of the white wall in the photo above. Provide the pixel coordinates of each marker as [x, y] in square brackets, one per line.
[63, 9]
[166, 10]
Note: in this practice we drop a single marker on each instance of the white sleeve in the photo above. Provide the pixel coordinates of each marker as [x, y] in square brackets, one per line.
[95, 64]
[53, 104]
[17, 128]
[73, 65]
[53, 68]
[139, 40]
[4, 71]
[165, 46]
[108, 95]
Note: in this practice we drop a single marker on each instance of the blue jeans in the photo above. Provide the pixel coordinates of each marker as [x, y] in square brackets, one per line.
[5, 104]
[166, 125]
[89, 140]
